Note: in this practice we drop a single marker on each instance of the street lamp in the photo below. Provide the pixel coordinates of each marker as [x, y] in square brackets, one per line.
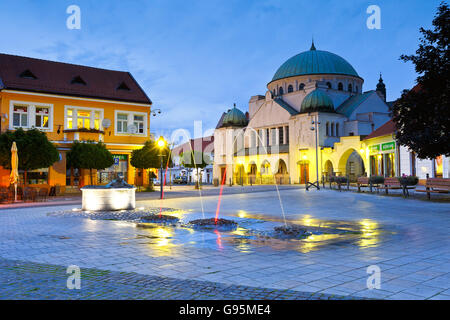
[315, 122]
[161, 143]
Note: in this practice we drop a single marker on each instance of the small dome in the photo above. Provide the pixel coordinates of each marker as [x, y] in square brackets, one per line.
[234, 117]
[317, 100]
[314, 62]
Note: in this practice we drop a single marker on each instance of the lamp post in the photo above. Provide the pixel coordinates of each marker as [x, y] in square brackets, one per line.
[315, 122]
[161, 143]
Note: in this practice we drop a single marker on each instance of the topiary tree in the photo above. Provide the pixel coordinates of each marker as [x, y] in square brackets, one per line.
[89, 155]
[197, 160]
[148, 157]
[35, 151]
[420, 113]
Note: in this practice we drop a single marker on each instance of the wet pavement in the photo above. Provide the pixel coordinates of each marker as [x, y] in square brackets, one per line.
[406, 238]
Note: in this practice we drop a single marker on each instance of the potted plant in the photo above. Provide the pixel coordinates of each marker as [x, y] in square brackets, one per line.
[408, 180]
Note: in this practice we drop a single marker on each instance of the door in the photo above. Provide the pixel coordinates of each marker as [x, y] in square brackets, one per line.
[304, 173]
[222, 173]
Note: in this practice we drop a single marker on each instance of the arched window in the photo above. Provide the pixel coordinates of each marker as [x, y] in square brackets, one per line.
[332, 129]
[356, 89]
[350, 88]
[327, 129]
[301, 86]
[290, 89]
[337, 129]
[329, 85]
[280, 91]
[340, 86]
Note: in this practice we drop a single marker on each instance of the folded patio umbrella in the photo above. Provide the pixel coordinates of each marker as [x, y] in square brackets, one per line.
[14, 177]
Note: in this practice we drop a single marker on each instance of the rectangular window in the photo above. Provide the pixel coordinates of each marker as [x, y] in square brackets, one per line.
[83, 119]
[122, 123]
[281, 135]
[70, 119]
[139, 123]
[20, 116]
[97, 120]
[253, 139]
[413, 163]
[42, 117]
[274, 136]
[267, 137]
[287, 135]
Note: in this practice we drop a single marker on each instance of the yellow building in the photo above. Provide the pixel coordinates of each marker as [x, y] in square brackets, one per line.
[72, 102]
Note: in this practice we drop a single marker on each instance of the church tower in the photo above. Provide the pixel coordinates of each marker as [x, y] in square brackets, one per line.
[381, 88]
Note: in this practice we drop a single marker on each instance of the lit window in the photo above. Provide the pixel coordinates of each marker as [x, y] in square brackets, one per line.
[122, 123]
[83, 119]
[97, 120]
[69, 119]
[41, 117]
[139, 123]
[20, 116]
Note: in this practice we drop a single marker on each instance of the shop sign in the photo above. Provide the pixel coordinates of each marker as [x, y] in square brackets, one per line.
[374, 149]
[388, 146]
[119, 157]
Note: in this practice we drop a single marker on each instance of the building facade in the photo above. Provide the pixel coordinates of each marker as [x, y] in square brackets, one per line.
[310, 123]
[72, 102]
[204, 145]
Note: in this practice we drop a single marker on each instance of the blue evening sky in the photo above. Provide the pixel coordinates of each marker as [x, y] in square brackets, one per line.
[196, 58]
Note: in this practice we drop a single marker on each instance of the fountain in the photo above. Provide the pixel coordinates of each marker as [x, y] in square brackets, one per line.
[117, 195]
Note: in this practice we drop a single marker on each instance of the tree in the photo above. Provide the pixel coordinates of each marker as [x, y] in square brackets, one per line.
[89, 155]
[148, 157]
[35, 151]
[421, 114]
[197, 160]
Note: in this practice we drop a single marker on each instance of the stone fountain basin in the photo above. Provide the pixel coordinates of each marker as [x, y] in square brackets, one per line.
[108, 199]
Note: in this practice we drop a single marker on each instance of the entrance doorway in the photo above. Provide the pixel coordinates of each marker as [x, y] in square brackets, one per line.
[304, 172]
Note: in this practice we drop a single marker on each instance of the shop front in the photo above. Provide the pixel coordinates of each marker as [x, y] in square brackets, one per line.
[382, 159]
[120, 166]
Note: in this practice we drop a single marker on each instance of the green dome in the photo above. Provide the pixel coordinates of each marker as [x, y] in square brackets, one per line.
[314, 62]
[317, 100]
[234, 117]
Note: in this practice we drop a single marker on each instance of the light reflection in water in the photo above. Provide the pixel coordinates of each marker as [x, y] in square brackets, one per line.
[370, 233]
[219, 239]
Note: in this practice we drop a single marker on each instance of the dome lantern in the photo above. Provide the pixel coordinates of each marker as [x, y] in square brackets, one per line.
[234, 118]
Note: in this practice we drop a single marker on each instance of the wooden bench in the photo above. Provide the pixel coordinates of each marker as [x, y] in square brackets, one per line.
[436, 185]
[394, 184]
[363, 182]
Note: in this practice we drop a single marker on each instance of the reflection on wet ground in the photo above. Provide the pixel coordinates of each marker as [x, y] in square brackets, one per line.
[256, 234]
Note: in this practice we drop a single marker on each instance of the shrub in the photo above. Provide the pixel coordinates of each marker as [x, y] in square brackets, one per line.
[341, 180]
[376, 179]
[408, 180]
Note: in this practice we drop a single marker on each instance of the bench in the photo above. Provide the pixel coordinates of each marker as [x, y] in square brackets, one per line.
[394, 184]
[363, 182]
[436, 185]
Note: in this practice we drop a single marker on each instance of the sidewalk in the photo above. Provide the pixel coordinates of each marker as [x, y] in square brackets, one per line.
[170, 192]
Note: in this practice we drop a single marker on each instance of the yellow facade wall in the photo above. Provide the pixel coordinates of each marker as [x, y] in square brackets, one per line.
[116, 143]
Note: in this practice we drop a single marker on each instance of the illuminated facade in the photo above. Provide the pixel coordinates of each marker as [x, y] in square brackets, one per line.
[274, 141]
[71, 102]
